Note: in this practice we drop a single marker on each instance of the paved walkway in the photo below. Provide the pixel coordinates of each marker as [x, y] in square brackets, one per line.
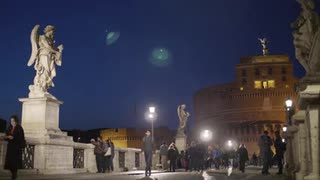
[251, 174]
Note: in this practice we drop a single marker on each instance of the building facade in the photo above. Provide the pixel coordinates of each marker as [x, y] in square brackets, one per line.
[132, 137]
[241, 110]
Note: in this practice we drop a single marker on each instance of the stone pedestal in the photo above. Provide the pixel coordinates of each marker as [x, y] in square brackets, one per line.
[53, 151]
[40, 116]
[181, 143]
[308, 100]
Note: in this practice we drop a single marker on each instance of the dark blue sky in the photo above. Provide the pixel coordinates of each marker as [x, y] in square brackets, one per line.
[101, 85]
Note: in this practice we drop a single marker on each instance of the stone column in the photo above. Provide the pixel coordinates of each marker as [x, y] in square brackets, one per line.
[313, 119]
[40, 116]
[308, 100]
[289, 167]
[299, 120]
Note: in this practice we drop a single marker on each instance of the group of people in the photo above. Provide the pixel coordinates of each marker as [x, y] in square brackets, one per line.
[265, 143]
[104, 152]
[199, 157]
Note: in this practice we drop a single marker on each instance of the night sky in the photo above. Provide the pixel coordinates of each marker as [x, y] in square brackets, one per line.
[110, 85]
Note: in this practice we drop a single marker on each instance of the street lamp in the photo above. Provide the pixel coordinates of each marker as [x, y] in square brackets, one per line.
[152, 109]
[288, 104]
[206, 135]
[151, 115]
[284, 129]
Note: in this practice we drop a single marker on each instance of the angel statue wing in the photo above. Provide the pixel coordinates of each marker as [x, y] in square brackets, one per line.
[34, 38]
[262, 40]
[178, 111]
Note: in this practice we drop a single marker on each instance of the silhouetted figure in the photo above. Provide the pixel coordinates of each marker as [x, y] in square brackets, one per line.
[15, 146]
[147, 148]
[254, 159]
[99, 153]
[280, 149]
[172, 156]
[265, 144]
[243, 157]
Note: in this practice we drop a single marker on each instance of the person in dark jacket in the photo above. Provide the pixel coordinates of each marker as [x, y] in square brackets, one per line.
[147, 148]
[243, 157]
[112, 152]
[280, 149]
[163, 156]
[172, 156]
[99, 152]
[109, 153]
[254, 159]
[16, 143]
[265, 144]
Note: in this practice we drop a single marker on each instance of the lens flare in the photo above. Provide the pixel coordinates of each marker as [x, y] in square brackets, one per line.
[160, 57]
[112, 37]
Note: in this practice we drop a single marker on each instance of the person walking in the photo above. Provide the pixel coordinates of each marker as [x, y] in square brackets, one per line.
[99, 153]
[265, 144]
[280, 149]
[172, 156]
[108, 155]
[147, 148]
[243, 157]
[163, 156]
[112, 154]
[254, 159]
[15, 146]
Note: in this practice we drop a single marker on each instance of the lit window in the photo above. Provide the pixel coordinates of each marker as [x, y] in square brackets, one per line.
[264, 84]
[271, 84]
[257, 84]
[241, 88]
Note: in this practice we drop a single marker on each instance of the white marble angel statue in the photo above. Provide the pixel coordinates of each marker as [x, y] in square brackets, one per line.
[183, 117]
[264, 42]
[45, 56]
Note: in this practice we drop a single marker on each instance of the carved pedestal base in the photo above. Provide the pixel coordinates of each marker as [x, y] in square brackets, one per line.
[53, 152]
[308, 100]
[181, 143]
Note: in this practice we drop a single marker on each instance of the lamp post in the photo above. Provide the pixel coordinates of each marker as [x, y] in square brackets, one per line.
[151, 115]
[289, 104]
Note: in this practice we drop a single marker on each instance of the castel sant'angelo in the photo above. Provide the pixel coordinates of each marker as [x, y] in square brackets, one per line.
[255, 101]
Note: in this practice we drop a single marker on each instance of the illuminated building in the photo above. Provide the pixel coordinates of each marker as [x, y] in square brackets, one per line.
[253, 102]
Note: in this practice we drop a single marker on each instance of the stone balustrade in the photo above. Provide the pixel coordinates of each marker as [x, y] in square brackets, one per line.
[82, 157]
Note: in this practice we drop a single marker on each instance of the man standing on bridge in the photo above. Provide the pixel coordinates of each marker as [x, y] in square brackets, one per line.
[147, 148]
